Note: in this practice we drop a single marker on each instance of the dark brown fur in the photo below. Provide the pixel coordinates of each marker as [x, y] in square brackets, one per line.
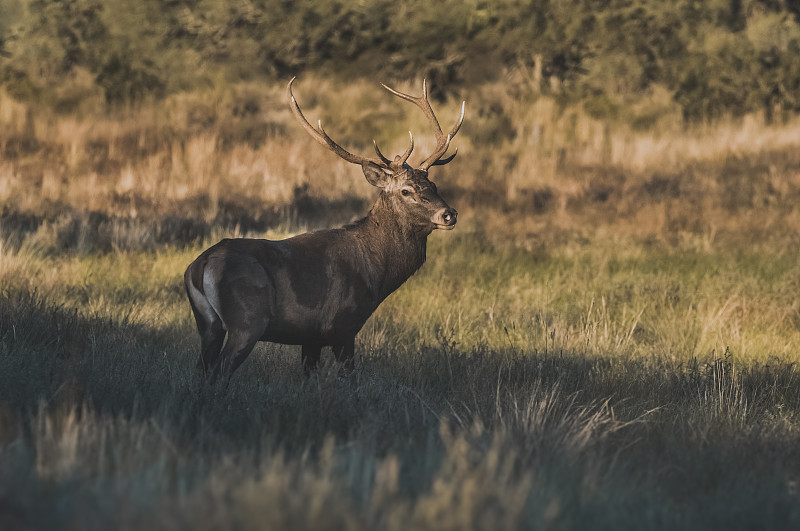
[316, 289]
[319, 288]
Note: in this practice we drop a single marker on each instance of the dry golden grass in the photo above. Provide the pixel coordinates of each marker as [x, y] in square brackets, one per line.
[207, 145]
[609, 339]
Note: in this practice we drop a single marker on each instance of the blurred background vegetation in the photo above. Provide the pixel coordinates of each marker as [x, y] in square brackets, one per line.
[165, 119]
[713, 58]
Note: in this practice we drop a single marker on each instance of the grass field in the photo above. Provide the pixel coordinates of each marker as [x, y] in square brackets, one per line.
[608, 340]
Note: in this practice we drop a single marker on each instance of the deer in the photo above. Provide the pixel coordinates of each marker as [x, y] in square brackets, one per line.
[318, 289]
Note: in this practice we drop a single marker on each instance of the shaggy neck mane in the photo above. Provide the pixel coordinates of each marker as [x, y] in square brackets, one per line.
[396, 250]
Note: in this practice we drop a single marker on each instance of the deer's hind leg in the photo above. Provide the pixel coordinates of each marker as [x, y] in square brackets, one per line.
[243, 305]
[238, 347]
[211, 340]
[209, 326]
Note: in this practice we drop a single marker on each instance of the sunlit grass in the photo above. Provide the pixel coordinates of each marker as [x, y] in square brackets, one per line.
[496, 388]
[607, 340]
[602, 299]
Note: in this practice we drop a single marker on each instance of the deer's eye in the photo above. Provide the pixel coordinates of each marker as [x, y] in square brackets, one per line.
[406, 192]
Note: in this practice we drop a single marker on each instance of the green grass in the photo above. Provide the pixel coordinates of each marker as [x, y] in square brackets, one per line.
[608, 340]
[599, 385]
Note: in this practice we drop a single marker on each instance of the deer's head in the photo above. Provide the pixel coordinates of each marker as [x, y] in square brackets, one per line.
[408, 191]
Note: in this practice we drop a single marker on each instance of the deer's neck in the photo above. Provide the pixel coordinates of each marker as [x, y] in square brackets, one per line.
[396, 250]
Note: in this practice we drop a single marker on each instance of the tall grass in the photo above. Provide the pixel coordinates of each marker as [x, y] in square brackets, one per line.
[608, 339]
[170, 172]
[567, 389]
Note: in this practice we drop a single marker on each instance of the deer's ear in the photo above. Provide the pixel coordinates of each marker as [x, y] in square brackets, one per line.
[376, 176]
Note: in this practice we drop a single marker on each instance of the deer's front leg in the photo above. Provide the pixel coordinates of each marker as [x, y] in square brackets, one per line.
[310, 357]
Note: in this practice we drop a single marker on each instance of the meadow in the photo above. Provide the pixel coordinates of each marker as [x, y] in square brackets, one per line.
[608, 340]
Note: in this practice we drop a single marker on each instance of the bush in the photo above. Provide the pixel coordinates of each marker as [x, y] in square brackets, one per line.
[716, 58]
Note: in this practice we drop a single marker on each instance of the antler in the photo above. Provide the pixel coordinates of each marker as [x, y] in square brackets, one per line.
[400, 160]
[322, 137]
[399, 163]
[442, 141]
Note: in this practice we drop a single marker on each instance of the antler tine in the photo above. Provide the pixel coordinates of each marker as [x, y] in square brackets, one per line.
[442, 141]
[380, 155]
[403, 95]
[399, 160]
[442, 162]
[404, 157]
[441, 149]
[320, 135]
[423, 103]
[460, 119]
[434, 159]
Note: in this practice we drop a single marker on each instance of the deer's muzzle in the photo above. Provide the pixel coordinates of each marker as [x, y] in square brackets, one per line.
[445, 218]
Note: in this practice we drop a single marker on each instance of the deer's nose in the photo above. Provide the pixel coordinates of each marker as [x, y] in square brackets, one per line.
[446, 218]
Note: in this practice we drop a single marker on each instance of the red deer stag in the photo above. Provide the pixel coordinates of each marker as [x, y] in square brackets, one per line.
[319, 288]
